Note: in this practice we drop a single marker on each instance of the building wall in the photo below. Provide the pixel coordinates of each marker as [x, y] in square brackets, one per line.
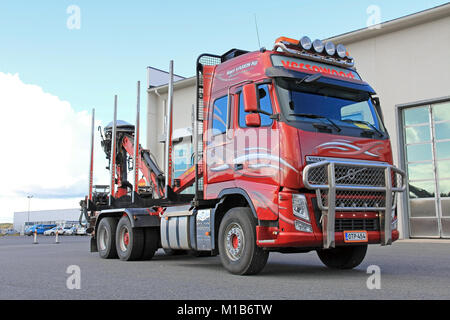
[405, 66]
[20, 218]
[184, 97]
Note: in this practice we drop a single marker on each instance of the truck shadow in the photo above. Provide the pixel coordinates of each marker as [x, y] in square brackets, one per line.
[272, 269]
[277, 269]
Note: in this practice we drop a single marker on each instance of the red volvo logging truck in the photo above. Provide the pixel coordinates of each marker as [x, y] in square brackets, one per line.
[290, 155]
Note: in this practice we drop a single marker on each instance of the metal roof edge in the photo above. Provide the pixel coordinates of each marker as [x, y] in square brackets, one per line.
[417, 18]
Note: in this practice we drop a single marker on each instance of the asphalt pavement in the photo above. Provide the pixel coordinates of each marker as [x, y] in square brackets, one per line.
[408, 270]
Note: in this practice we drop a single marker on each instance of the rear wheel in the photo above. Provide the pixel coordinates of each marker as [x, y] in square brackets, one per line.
[106, 238]
[237, 243]
[343, 257]
[129, 241]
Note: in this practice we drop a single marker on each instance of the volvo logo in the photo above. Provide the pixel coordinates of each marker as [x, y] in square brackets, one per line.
[351, 174]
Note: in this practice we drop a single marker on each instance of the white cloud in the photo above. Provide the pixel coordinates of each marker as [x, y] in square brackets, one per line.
[44, 149]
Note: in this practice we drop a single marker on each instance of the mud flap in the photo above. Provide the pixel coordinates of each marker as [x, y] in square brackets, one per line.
[94, 245]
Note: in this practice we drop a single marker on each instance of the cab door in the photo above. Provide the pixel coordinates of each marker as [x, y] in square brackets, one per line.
[256, 159]
[219, 146]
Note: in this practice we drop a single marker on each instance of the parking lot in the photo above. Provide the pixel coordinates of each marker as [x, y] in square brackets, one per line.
[409, 270]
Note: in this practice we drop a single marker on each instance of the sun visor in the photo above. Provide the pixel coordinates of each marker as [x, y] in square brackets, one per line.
[281, 72]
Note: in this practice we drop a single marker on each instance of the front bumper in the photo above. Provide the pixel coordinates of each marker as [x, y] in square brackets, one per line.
[354, 186]
[315, 240]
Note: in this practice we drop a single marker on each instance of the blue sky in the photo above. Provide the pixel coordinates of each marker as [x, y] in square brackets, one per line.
[118, 39]
[62, 73]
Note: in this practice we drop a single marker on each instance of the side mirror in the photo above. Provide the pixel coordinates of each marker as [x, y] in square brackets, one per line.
[250, 99]
[253, 120]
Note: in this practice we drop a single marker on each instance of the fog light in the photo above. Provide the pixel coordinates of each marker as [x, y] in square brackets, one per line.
[305, 43]
[300, 206]
[302, 226]
[330, 48]
[318, 46]
[341, 51]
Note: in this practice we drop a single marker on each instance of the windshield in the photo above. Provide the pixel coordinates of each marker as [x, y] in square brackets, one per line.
[338, 107]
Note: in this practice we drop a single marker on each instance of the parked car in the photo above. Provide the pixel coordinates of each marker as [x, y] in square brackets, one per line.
[53, 231]
[80, 231]
[11, 231]
[69, 231]
[39, 228]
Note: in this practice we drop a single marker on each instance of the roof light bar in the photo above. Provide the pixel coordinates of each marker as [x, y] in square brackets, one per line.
[316, 50]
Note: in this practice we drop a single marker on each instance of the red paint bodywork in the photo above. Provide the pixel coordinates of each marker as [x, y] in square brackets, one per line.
[266, 185]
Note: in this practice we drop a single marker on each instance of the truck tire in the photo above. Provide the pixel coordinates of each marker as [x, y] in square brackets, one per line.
[343, 257]
[129, 241]
[151, 239]
[106, 238]
[238, 251]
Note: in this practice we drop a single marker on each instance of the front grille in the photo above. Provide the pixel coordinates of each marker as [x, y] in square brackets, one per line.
[355, 199]
[357, 224]
[349, 175]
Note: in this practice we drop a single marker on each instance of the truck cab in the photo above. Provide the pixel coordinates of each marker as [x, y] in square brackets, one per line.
[300, 135]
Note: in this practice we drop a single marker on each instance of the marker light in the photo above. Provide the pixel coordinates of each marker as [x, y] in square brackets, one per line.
[318, 46]
[305, 43]
[341, 51]
[330, 48]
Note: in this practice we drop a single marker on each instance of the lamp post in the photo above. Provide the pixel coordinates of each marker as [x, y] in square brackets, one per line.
[29, 201]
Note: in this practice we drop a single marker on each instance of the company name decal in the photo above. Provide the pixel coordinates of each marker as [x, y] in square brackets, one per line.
[310, 66]
[241, 68]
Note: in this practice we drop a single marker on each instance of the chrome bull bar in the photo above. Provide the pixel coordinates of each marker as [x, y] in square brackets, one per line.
[354, 186]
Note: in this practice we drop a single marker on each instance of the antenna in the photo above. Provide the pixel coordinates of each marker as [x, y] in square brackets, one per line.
[257, 32]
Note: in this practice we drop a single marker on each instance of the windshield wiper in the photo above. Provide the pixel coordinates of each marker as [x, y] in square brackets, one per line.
[381, 134]
[315, 116]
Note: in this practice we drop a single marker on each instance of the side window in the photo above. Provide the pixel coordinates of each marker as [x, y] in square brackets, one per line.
[264, 104]
[220, 113]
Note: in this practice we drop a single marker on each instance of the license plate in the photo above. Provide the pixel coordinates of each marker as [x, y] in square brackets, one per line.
[355, 236]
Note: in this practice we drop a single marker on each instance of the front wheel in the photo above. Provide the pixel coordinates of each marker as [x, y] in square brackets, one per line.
[343, 257]
[237, 243]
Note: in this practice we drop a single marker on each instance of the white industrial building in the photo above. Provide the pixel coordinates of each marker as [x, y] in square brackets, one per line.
[59, 217]
[406, 61]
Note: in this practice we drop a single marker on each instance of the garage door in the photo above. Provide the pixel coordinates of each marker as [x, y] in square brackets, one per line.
[427, 152]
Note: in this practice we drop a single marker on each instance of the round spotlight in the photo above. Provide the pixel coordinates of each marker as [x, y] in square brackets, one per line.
[341, 51]
[305, 43]
[318, 46]
[330, 48]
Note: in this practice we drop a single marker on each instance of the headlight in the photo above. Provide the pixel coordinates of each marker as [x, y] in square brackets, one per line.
[300, 206]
